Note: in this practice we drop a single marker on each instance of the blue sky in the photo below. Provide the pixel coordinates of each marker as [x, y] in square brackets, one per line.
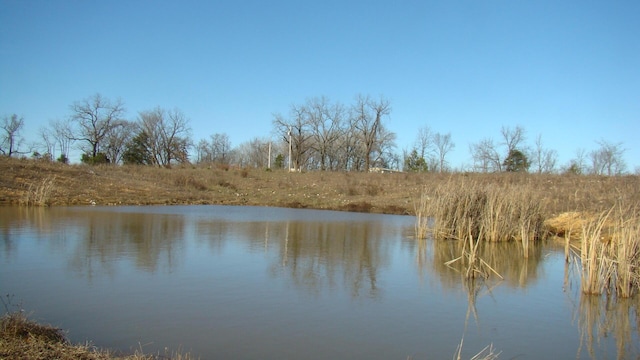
[568, 70]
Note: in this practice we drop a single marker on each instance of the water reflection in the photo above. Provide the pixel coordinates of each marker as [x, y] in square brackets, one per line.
[153, 242]
[315, 256]
[600, 317]
[354, 281]
[504, 257]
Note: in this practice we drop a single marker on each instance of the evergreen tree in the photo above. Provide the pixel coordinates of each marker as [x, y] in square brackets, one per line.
[415, 162]
[516, 161]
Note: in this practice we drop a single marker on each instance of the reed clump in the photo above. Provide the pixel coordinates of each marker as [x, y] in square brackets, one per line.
[608, 254]
[462, 209]
[39, 194]
[473, 266]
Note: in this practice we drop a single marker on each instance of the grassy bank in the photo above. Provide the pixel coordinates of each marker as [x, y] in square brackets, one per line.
[29, 182]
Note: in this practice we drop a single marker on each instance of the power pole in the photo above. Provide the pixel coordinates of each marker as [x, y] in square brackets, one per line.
[289, 149]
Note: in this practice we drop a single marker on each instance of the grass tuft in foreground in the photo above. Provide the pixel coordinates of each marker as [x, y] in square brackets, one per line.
[21, 338]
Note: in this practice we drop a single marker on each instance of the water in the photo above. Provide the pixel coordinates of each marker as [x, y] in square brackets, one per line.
[270, 283]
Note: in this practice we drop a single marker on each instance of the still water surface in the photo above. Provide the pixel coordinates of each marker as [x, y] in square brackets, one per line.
[271, 283]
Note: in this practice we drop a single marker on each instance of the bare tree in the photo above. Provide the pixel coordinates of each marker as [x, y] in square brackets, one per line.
[576, 165]
[10, 138]
[443, 145]
[221, 148]
[48, 144]
[350, 148]
[543, 159]
[485, 156]
[218, 150]
[368, 115]
[424, 143]
[296, 129]
[608, 159]
[384, 154]
[325, 124]
[253, 153]
[117, 140]
[512, 138]
[203, 153]
[94, 118]
[63, 135]
[167, 134]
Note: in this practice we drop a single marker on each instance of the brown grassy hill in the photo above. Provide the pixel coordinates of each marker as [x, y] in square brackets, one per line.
[30, 182]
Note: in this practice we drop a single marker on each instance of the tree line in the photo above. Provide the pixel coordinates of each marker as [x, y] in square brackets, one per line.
[319, 134]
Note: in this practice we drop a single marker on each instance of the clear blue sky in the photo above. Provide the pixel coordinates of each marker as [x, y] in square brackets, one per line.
[569, 70]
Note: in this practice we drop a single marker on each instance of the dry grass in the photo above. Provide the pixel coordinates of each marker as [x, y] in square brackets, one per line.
[21, 338]
[473, 266]
[38, 194]
[465, 209]
[608, 253]
[488, 353]
[394, 193]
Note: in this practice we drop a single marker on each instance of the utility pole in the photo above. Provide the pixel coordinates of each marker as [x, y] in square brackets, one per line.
[289, 149]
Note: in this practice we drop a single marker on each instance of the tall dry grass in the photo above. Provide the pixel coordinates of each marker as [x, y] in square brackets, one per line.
[473, 266]
[39, 194]
[465, 208]
[609, 252]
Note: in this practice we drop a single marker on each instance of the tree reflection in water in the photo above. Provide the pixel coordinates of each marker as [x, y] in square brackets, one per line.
[316, 256]
[319, 255]
[151, 240]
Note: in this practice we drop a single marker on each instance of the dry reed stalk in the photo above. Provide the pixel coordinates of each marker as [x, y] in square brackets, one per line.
[474, 266]
[39, 195]
[567, 247]
[422, 219]
[594, 265]
[488, 353]
[609, 252]
[625, 244]
[464, 209]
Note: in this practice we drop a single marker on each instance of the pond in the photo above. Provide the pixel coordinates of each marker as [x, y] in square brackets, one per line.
[273, 283]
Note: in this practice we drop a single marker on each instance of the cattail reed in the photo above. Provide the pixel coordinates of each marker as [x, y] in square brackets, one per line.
[464, 209]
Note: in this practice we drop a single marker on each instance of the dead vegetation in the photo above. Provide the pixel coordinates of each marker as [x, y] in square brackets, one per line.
[41, 183]
[22, 338]
[604, 238]
[472, 211]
